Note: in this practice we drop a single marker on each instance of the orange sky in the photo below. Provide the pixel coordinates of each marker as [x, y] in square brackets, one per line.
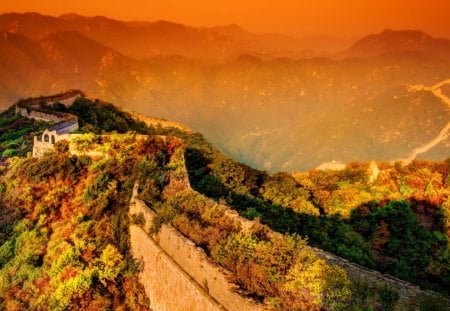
[344, 18]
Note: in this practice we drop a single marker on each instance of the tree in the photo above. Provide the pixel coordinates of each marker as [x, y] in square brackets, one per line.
[110, 265]
[327, 285]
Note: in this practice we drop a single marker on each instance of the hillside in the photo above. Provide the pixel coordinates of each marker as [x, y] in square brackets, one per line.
[270, 110]
[69, 236]
[360, 213]
[274, 113]
[63, 230]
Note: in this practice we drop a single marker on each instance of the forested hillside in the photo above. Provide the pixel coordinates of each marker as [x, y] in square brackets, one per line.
[64, 218]
[16, 133]
[64, 222]
[397, 223]
[64, 227]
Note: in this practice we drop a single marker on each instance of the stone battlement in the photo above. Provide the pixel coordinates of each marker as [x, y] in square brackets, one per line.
[171, 259]
[48, 139]
[41, 116]
[66, 98]
[66, 123]
[212, 279]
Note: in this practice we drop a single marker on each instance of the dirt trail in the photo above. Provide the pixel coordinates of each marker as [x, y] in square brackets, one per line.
[444, 133]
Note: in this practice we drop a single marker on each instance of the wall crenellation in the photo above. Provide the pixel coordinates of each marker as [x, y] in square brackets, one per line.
[209, 278]
[61, 97]
[66, 123]
[193, 260]
[173, 260]
[39, 116]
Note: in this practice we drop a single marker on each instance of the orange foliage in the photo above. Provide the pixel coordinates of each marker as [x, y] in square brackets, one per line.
[69, 272]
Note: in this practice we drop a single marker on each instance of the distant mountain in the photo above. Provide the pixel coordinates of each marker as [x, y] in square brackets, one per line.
[278, 113]
[60, 61]
[148, 39]
[70, 49]
[22, 63]
[401, 41]
[326, 43]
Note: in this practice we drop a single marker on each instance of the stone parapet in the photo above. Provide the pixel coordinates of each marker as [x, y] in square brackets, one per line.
[192, 260]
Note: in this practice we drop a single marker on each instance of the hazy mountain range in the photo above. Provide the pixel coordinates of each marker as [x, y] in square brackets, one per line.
[269, 100]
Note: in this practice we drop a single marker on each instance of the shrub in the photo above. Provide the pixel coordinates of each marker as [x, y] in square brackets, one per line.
[138, 219]
[432, 304]
[388, 297]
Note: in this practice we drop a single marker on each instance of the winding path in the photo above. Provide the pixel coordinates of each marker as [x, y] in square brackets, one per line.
[444, 133]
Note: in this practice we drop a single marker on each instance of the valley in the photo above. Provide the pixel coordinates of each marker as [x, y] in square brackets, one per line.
[228, 155]
[275, 111]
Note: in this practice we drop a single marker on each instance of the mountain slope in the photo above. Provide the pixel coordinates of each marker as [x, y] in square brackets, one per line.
[59, 62]
[148, 39]
[278, 113]
[403, 41]
[22, 63]
[145, 39]
[342, 212]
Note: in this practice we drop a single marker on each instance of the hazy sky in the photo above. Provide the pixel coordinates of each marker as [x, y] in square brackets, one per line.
[344, 18]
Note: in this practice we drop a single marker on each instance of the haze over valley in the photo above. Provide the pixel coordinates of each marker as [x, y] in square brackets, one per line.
[228, 155]
[271, 101]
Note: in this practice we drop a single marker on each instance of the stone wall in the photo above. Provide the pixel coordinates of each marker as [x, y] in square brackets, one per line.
[39, 116]
[192, 260]
[213, 279]
[67, 98]
[167, 286]
[196, 264]
[66, 127]
[41, 146]
[408, 292]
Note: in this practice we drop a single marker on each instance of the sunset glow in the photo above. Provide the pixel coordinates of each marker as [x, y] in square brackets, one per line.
[347, 18]
[224, 155]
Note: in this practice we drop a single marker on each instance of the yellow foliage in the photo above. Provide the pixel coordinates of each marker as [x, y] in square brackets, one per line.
[327, 285]
[111, 264]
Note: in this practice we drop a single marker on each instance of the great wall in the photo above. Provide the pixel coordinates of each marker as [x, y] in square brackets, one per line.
[65, 123]
[65, 98]
[171, 259]
[170, 250]
[436, 90]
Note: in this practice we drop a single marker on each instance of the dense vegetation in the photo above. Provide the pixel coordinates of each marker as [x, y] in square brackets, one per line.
[397, 224]
[279, 270]
[16, 133]
[64, 222]
[64, 226]
[403, 215]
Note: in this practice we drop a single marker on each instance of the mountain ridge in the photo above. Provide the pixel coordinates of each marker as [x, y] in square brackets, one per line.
[278, 113]
[305, 204]
[397, 41]
[228, 38]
